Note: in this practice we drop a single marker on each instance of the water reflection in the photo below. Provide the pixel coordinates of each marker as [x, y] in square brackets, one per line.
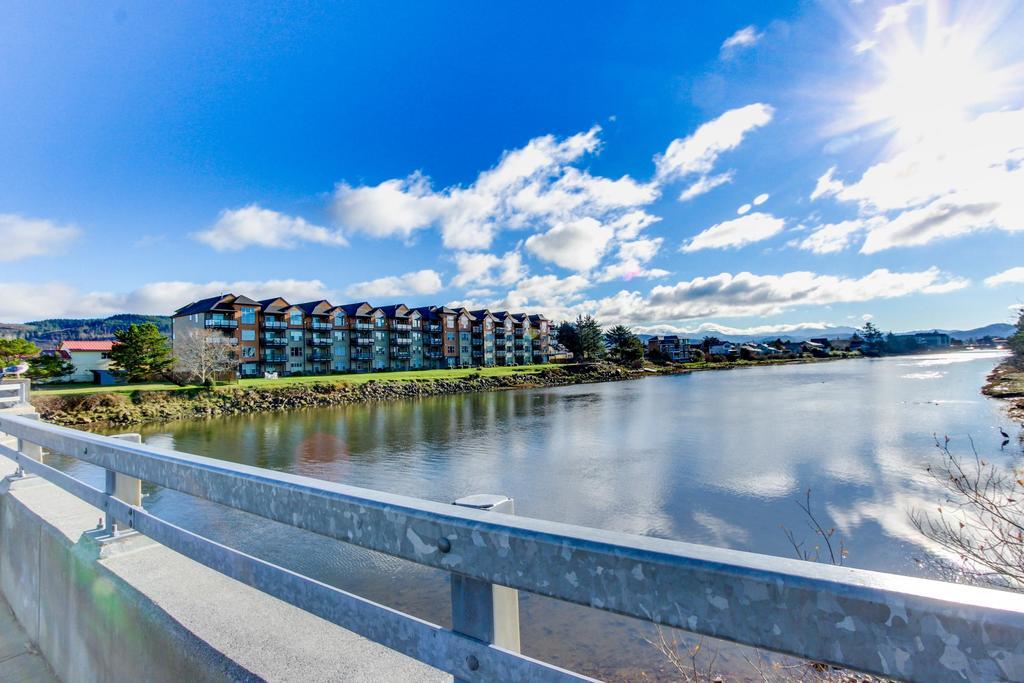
[716, 458]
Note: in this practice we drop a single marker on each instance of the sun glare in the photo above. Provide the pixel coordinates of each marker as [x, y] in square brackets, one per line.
[931, 76]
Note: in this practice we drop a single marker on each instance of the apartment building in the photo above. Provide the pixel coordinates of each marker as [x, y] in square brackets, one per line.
[318, 337]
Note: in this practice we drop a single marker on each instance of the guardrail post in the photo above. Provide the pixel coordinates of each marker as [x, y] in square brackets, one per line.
[124, 488]
[483, 610]
[27, 448]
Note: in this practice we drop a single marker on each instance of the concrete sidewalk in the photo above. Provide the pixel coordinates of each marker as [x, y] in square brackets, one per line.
[19, 660]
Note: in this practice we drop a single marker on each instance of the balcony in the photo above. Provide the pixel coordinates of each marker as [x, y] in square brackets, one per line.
[319, 325]
[319, 357]
[432, 327]
[401, 341]
[363, 326]
[275, 341]
[433, 354]
[434, 340]
[478, 342]
[400, 354]
[320, 341]
[401, 327]
[275, 358]
[477, 329]
[478, 353]
[275, 324]
[362, 341]
[362, 355]
[221, 324]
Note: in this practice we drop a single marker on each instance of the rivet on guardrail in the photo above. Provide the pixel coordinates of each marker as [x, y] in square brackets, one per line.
[472, 662]
[444, 545]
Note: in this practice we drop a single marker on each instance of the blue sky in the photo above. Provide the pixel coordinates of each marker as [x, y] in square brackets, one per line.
[676, 167]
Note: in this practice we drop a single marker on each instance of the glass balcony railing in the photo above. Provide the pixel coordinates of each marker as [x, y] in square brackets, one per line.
[363, 326]
[275, 341]
[275, 324]
[319, 325]
[221, 323]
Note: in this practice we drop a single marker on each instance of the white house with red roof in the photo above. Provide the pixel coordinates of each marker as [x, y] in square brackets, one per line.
[90, 358]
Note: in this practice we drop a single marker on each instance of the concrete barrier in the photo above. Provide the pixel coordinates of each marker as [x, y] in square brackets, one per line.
[136, 611]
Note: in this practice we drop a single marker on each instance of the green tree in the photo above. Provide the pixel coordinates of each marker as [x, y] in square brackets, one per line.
[44, 367]
[567, 336]
[1016, 341]
[708, 342]
[874, 342]
[623, 345]
[591, 337]
[141, 353]
[13, 350]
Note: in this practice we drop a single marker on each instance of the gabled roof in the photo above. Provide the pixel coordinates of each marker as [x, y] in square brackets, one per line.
[360, 308]
[320, 307]
[482, 313]
[65, 346]
[521, 318]
[465, 311]
[245, 301]
[275, 306]
[428, 312]
[501, 315]
[444, 309]
[538, 317]
[222, 302]
[395, 310]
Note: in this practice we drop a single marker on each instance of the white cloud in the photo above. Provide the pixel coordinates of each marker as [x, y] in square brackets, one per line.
[26, 237]
[480, 269]
[744, 209]
[826, 185]
[1012, 276]
[632, 259]
[953, 184]
[705, 184]
[895, 15]
[835, 237]
[717, 328]
[32, 301]
[532, 187]
[697, 153]
[737, 232]
[761, 199]
[255, 226]
[743, 38]
[748, 294]
[577, 245]
[419, 282]
[867, 317]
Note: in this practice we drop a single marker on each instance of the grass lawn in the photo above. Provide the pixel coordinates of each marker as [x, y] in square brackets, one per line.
[81, 388]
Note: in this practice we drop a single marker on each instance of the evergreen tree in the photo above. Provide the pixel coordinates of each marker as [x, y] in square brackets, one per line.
[1016, 341]
[566, 336]
[49, 367]
[591, 337]
[141, 353]
[623, 345]
[13, 350]
[874, 342]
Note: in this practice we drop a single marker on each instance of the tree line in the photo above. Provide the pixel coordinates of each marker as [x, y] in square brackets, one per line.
[586, 340]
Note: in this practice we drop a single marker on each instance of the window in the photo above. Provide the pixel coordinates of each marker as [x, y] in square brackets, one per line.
[415, 336]
[379, 336]
[296, 335]
[295, 352]
[248, 352]
[450, 336]
[416, 323]
[248, 335]
[339, 335]
[295, 318]
[448, 321]
[248, 315]
[463, 322]
[487, 324]
[379, 321]
[339, 319]
[451, 349]
[105, 355]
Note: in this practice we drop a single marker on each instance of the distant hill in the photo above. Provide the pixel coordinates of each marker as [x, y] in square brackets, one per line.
[51, 331]
[841, 332]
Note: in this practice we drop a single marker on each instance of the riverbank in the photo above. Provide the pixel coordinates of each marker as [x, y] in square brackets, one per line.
[120, 408]
[1007, 382]
[91, 406]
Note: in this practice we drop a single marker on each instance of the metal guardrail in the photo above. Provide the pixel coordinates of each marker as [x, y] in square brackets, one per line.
[14, 393]
[883, 624]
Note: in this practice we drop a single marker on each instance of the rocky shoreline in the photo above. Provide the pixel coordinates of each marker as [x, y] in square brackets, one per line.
[1006, 382]
[140, 407]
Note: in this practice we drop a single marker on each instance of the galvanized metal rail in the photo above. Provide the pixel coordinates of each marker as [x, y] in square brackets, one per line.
[889, 625]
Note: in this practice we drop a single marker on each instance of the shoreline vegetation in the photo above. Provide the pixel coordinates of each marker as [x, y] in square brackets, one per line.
[1006, 382]
[136, 404]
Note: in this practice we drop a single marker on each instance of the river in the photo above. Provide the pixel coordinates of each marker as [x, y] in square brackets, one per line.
[719, 458]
